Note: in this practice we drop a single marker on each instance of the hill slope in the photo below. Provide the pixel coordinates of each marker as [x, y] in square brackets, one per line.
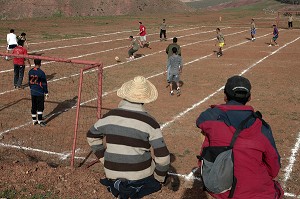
[16, 9]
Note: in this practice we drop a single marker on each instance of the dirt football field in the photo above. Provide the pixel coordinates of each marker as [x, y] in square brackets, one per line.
[35, 161]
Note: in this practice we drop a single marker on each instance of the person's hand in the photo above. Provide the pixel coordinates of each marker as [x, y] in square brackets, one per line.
[46, 96]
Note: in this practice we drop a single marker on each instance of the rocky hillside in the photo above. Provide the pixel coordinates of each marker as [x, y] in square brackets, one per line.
[16, 9]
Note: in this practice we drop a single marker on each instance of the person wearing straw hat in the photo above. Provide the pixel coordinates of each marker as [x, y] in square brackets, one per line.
[131, 171]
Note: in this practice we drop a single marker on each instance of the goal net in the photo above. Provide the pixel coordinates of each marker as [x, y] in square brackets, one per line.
[73, 106]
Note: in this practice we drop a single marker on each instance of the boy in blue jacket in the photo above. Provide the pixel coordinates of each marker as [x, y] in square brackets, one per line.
[39, 91]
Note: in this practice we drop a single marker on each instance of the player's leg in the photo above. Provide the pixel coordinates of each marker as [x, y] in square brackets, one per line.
[160, 34]
[275, 38]
[178, 90]
[16, 75]
[34, 109]
[21, 75]
[40, 109]
[165, 34]
[271, 41]
[171, 84]
[130, 53]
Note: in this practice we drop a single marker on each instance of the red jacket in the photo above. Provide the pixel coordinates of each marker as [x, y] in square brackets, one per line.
[256, 160]
[19, 50]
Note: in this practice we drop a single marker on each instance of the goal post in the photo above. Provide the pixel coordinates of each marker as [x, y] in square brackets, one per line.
[98, 68]
[282, 18]
[75, 103]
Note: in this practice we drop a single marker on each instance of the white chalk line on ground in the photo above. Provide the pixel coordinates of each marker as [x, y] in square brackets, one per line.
[90, 37]
[203, 57]
[111, 49]
[211, 95]
[105, 41]
[197, 104]
[288, 170]
[113, 65]
[28, 123]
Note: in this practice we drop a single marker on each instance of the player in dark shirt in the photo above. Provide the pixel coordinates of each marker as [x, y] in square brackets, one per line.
[39, 91]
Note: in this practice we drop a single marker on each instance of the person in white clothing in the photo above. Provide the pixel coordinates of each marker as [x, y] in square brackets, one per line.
[11, 41]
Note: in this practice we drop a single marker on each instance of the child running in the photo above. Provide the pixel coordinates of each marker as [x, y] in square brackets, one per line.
[275, 36]
[174, 68]
[253, 30]
[133, 47]
[220, 42]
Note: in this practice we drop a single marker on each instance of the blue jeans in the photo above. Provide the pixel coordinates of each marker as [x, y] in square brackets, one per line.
[18, 74]
[134, 189]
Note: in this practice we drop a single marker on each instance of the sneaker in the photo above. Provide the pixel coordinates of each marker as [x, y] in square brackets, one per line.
[42, 124]
[270, 45]
[34, 122]
[178, 91]
[130, 58]
[171, 92]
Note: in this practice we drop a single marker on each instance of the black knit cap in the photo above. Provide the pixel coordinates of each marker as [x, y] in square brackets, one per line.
[238, 87]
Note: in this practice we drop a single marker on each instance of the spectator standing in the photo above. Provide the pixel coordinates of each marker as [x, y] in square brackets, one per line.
[290, 21]
[19, 64]
[11, 39]
[39, 92]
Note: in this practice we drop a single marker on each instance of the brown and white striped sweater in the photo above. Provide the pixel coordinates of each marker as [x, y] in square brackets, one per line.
[130, 132]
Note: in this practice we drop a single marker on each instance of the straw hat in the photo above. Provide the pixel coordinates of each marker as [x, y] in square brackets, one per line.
[138, 90]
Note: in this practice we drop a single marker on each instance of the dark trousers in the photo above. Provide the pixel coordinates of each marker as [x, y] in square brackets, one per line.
[18, 74]
[163, 32]
[124, 189]
[131, 51]
[290, 24]
[37, 103]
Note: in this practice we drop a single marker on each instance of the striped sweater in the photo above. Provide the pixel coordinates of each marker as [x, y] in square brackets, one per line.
[129, 132]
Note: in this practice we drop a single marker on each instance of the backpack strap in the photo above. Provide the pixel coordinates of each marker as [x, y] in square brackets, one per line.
[257, 114]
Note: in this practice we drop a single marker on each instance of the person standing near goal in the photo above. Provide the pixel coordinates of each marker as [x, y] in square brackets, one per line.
[253, 30]
[19, 64]
[39, 91]
[290, 21]
[11, 39]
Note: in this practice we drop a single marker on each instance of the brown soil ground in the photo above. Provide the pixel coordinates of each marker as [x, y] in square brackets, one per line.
[34, 161]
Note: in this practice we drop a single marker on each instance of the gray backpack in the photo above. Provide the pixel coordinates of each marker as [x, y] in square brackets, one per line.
[217, 164]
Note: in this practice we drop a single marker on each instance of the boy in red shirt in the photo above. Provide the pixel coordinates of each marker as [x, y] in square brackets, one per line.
[143, 37]
[19, 64]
